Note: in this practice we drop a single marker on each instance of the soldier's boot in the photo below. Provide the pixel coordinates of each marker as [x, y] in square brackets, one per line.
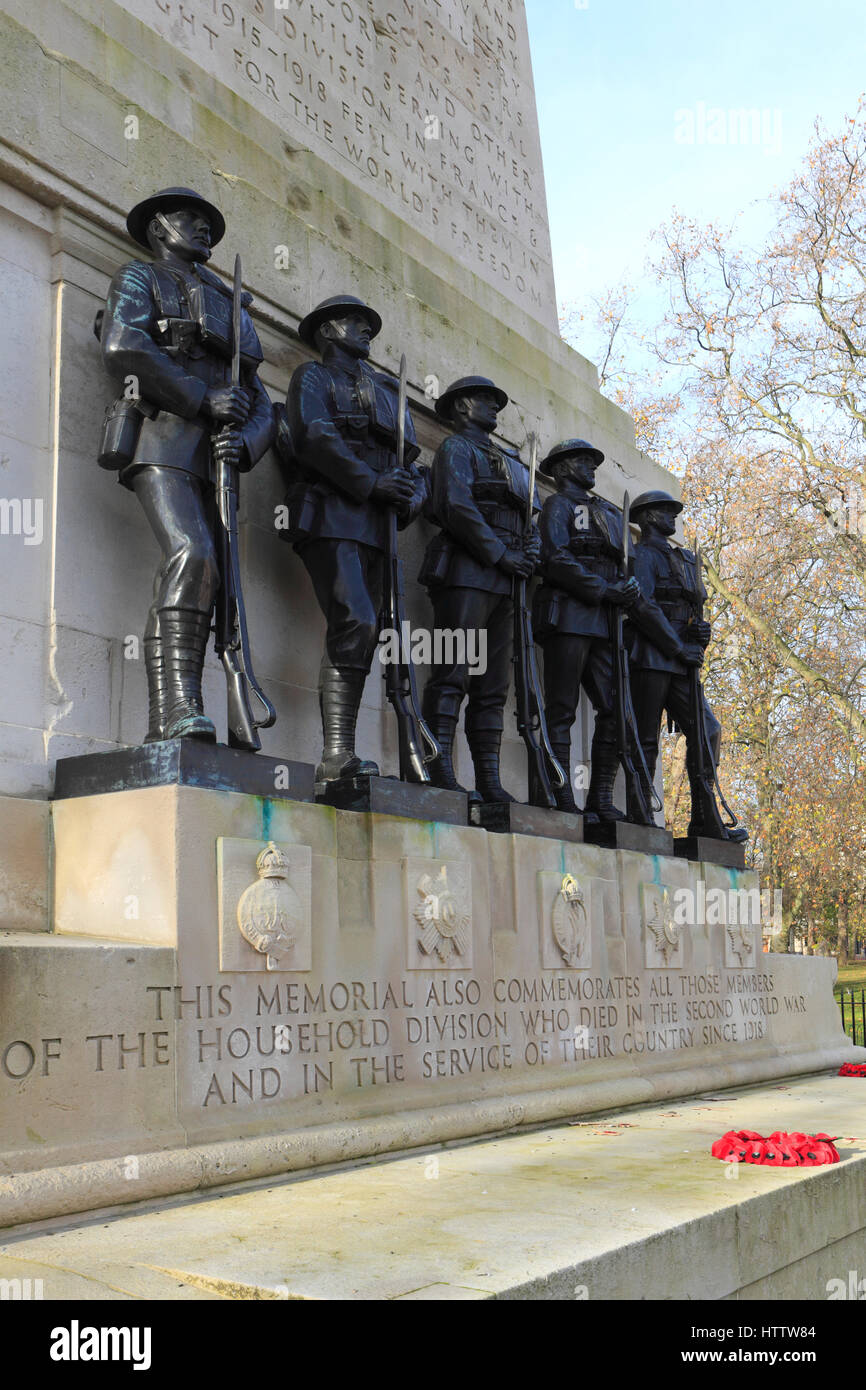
[157, 689]
[185, 634]
[565, 795]
[340, 701]
[442, 774]
[605, 767]
[485, 745]
[707, 821]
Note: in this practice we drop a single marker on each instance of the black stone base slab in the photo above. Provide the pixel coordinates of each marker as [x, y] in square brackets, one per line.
[527, 820]
[704, 851]
[641, 839]
[184, 762]
[386, 796]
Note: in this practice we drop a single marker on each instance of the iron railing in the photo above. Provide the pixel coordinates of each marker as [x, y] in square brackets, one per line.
[852, 1003]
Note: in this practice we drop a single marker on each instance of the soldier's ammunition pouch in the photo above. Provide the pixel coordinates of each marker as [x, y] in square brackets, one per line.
[676, 612]
[437, 563]
[587, 546]
[366, 410]
[120, 431]
[196, 318]
[547, 615]
[505, 521]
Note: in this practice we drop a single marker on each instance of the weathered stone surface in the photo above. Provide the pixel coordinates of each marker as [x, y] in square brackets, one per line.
[440, 982]
[630, 1208]
[24, 865]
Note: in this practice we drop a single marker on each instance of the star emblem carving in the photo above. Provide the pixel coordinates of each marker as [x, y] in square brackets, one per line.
[442, 919]
[666, 932]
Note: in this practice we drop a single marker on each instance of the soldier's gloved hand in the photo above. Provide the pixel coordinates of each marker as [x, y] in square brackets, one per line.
[692, 654]
[229, 405]
[623, 595]
[702, 633]
[516, 562]
[532, 547]
[395, 489]
[228, 447]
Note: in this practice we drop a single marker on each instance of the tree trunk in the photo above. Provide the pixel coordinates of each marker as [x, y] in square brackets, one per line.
[842, 938]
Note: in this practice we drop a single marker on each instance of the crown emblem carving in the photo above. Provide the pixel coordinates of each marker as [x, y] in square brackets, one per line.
[570, 921]
[268, 911]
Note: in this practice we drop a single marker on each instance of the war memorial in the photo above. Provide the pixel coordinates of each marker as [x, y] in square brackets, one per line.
[299, 866]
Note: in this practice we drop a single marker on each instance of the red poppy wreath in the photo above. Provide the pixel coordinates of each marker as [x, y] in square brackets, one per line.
[779, 1151]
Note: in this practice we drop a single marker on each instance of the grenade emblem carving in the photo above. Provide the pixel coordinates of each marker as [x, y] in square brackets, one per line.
[269, 913]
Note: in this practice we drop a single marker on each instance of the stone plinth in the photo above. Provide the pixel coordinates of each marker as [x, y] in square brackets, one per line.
[285, 984]
[725, 852]
[640, 839]
[527, 820]
[184, 763]
[386, 796]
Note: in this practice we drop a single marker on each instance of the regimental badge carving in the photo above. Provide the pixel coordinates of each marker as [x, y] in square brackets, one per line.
[265, 925]
[570, 923]
[442, 918]
[740, 947]
[664, 935]
[439, 922]
[269, 912]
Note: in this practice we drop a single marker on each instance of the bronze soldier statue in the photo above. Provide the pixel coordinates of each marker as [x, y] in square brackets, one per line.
[479, 497]
[339, 441]
[670, 641]
[167, 333]
[582, 541]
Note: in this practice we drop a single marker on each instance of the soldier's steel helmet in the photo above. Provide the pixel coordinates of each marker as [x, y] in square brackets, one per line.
[567, 449]
[169, 200]
[655, 499]
[468, 386]
[339, 306]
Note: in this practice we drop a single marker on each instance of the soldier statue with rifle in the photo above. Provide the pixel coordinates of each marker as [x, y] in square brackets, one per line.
[578, 624]
[668, 651]
[486, 551]
[192, 413]
[348, 443]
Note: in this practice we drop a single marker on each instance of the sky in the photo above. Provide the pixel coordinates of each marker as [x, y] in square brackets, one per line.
[634, 99]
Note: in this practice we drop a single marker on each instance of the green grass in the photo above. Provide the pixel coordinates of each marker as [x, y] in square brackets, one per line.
[852, 976]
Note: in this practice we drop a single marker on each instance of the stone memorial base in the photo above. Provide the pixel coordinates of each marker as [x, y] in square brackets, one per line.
[630, 1207]
[527, 820]
[705, 851]
[386, 796]
[239, 986]
[640, 839]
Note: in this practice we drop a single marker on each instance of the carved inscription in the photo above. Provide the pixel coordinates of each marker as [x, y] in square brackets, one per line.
[427, 104]
[266, 1039]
